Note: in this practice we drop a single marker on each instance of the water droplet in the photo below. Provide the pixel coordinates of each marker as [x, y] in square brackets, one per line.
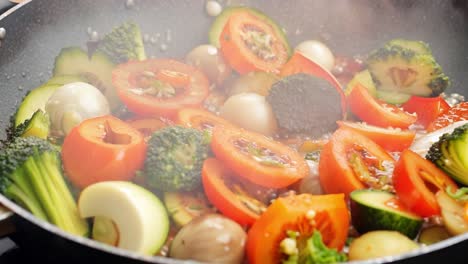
[153, 40]
[146, 38]
[20, 88]
[163, 47]
[168, 35]
[94, 36]
[129, 3]
[24, 74]
[2, 33]
[89, 31]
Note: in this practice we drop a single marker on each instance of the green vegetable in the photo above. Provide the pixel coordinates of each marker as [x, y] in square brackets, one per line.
[123, 43]
[304, 103]
[373, 210]
[393, 97]
[314, 251]
[38, 125]
[419, 47]
[433, 235]
[450, 154]
[365, 79]
[31, 175]
[183, 207]
[398, 68]
[221, 20]
[175, 158]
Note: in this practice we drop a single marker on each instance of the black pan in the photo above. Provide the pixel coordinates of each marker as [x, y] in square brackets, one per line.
[37, 30]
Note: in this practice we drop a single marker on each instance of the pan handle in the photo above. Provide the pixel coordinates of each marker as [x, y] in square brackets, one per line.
[7, 226]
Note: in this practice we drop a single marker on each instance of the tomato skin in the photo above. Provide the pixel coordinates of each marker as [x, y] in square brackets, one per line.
[123, 78]
[426, 108]
[335, 172]
[298, 63]
[459, 112]
[239, 56]
[409, 182]
[200, 118]
[87, 159]
[376, 112]
[243, 165]
[220, 195]
[147, 126]
[389, 139]
[332, 220]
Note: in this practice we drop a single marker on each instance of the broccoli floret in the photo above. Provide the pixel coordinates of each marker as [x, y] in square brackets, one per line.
[305, 104]
[403, 67]
[123, 43]
[450, 154]
[174, 159]
[313, 252]
[30, 174]
[419, 47]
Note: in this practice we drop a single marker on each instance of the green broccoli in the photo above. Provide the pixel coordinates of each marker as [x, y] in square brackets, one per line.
[174, 159]
[314, 251]
[407, 67]
[123, 43]
[450, 154]
[30, 174]
[38, 125]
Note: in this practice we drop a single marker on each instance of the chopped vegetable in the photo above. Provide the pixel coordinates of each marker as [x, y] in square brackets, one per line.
[459, 112]
[200, 119]
[450, 154]
[174, 159]
[427, 109]
[433, 234]
[31, 175]
[210, 61]
[102, 149]
[38, 126]
[183, 207]
[318, 52]
[452, 212]
[253, 82]
[123, 43]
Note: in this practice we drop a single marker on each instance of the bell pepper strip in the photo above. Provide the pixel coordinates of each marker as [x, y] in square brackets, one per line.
[249, 44]
[102, 149]
[302, 214]
[458, 112]
[257, 158]
[426, 108]
[351, 161]
[227, 194]
[298, 63]
[388, 138]
[377, 112]
[159, 87]
[416, 180]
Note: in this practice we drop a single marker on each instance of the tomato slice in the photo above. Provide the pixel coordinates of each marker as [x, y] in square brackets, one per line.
[302, 213]
[200, 119]
[147, 126]
[300, 64]
[102, 149]
[249, 44]
[459, 112]
[426, 108]
[377, 112]
[388, 138]
[159, 86]
[257, 158]
[351, 161]
[416, 181]
[226, 194]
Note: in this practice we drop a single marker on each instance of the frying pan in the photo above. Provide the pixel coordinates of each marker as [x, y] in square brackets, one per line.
[37, 30]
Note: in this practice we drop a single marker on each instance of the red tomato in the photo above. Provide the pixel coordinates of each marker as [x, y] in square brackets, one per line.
[426, 108]
[416, 181]
[159, 86]
[102, 149]
[302, 213]
[226, 194]
[147, 126]
[200, 119]
[388, 138]
[376, 112]
[457, 113]
[257, 158]
[236, 44]
[351, 161]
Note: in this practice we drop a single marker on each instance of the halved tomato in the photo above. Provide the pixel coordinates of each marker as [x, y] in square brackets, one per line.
[376, 112]
[416, 182]
[249, 43]
[426, 108]
[388, 138]
[257, 158]
[200, 119]
[227, 194]
[351, 161]
[159, 87]
[458, 112]
[303, 214]
[147, 126]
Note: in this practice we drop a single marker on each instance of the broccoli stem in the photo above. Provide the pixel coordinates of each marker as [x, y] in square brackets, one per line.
[24, 200]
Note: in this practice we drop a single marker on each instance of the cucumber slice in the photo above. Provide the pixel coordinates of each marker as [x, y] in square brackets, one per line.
[65, 79]
[97, 70]
[221, 20]
[393, 97]
[433, 235]
[184, 206]
[365, 79]
[36, 99]
[37, 126]
[373, 210]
